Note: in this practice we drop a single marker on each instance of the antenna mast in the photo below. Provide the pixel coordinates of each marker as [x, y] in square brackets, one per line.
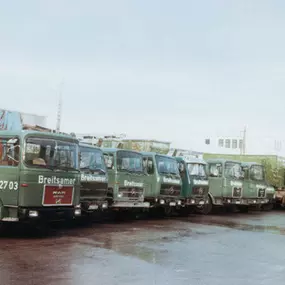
[58, 121]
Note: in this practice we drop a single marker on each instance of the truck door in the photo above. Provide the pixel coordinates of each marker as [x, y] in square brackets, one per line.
[149, 179]
[216, 179]
[9, 170]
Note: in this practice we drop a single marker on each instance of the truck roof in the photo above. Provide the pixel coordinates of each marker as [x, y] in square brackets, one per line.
[191, 160]
[113, 150]
[251, 163]
[89, 145]
[144, 140]
[221, 160]
[152, 153]
[23, 133]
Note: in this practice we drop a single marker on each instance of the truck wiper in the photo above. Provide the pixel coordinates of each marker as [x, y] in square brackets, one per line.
[63, 167]
[101, 170]
[164, 172]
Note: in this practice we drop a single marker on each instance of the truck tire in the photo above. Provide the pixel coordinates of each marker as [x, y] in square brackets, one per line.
[267, 207]
[206, 209]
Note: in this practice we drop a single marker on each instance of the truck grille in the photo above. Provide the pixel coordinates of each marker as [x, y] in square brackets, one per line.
[132, 193]
[96, 190]
[170, 190]
[261, 193]
[200, 191]
[237, 191]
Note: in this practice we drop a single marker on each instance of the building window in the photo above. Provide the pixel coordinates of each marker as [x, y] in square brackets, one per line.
[207, 141]
[240, 144]
[221, 142]
[234, 143]
[228, 143]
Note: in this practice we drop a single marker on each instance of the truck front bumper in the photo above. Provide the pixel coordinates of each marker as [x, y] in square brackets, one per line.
[245, 201]
[48, 213]
[90, 206]
[130, 204]
[196, 201]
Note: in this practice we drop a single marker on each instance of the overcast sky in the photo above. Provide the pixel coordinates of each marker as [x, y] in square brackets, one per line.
[161, 69]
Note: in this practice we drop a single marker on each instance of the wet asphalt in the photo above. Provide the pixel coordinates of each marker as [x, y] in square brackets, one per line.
[228, 248]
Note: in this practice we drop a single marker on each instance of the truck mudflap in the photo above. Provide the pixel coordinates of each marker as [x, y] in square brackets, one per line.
[130, 204]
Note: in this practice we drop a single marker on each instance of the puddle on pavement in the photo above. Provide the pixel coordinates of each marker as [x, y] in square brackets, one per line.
[243, 227]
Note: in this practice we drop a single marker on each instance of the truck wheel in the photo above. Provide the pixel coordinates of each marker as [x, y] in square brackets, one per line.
[184, 212]
[168, 211]
[206, 209]
[267, 207]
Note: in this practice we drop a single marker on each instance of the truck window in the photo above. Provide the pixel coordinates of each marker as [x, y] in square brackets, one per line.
[44, 152]
[148, 165]
[233, 169]
[215, 170]
[129, 161]
[91, 159]
[9, 152]
[196, 169]
[257, 173]
[167, 165]
[109, 160]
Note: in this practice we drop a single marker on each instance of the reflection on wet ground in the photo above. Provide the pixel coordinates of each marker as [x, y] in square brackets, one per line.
[219, 249]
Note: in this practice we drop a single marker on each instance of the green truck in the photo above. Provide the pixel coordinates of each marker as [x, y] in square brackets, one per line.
[94, 180]
[162, 182]
[39, 176]
[125, 179]
[226, 186]
[195, 184]
[257, 191]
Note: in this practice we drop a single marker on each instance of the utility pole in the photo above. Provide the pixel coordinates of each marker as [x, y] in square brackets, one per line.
[58, 121]
[243, 149]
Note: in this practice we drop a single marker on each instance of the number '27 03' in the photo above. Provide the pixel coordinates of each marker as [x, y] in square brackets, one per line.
[9, 185]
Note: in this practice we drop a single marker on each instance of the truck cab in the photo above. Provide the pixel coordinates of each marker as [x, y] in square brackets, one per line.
[195, 183]
[162, 182]
[126, 179]
[256, 189]
[39, 176]
[225, 184]
[94, 179]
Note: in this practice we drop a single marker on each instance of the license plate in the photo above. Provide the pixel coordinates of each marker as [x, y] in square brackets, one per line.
[172, 204]
[93, 207]
[54, 195]
[201, 202]
[237, 202]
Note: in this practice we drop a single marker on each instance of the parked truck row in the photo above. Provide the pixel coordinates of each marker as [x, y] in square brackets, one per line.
[49, 176]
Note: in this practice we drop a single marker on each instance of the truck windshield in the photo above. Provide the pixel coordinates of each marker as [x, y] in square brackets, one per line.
[92, 159]
[51, 154]
[129, 161]
[166, 165]
[196, 169]
[233, 170]
[257, 173]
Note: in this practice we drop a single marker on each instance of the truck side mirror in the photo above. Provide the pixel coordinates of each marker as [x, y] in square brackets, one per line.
[181, 167]
[149, 166]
